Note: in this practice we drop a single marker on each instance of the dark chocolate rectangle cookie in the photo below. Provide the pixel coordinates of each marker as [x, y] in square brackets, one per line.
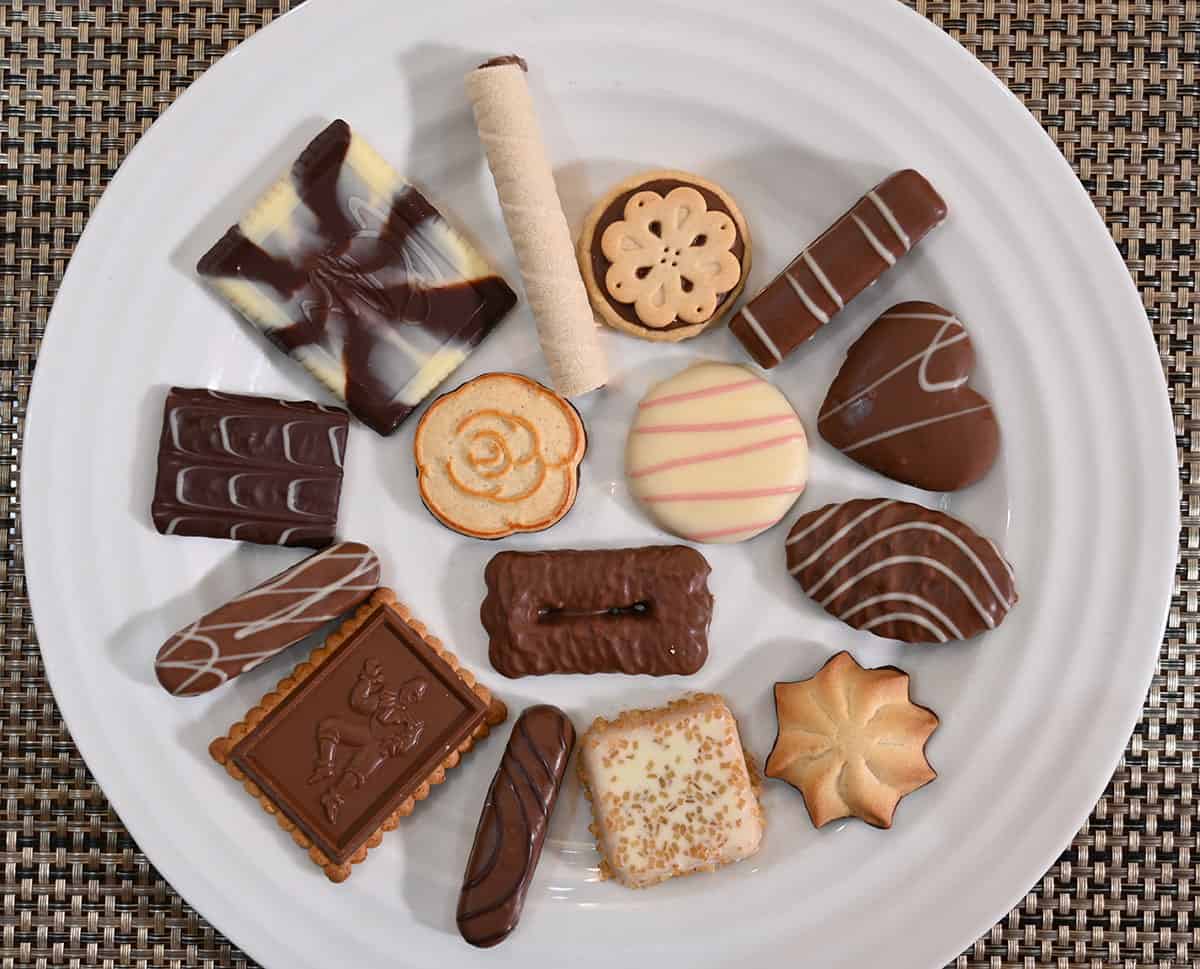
[633, 610]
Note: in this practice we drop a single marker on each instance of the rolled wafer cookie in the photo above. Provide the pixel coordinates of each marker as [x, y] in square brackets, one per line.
[533, 214]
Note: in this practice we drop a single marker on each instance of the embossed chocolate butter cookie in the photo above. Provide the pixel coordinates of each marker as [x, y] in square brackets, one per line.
[664, 255]
[900, 403]
[499, 455]
[901, 571]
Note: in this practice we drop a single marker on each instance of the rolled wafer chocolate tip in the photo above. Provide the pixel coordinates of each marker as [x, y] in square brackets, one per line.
[512, 827]
[505, 60]
[849, 256]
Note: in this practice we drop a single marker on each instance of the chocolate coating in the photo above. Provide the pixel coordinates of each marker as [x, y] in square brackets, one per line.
[900, 403]
[633, 610]
[848, 257]
[376, 292]
[504, 60]
[512, 827]
[249, 468]
[901, 571]
[616, 211]
[360, 734]
[266, 620]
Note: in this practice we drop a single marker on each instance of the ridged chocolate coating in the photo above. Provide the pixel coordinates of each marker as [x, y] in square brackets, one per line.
[632, 610]
[512, 828]
[901, 571]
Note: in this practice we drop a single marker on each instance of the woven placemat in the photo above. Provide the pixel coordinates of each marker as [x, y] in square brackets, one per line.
[1116, 84]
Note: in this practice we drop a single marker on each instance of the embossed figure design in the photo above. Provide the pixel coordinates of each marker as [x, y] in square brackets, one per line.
[383, 728]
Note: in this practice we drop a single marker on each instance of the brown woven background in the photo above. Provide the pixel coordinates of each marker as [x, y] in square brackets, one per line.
[1117, 85]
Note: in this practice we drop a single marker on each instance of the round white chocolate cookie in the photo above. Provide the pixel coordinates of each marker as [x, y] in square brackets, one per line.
[716, 454]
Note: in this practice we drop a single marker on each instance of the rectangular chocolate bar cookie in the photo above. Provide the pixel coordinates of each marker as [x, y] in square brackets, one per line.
[345, 746]
[630, 610]
[250, 468]
[348, 269]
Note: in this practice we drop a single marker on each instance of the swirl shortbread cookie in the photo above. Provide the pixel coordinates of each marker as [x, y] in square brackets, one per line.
[499, 455]
[664, 255]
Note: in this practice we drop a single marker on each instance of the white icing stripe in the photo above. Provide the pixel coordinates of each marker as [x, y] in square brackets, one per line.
[233, 498]
[333, 447]
[945, 533]
[818, 314]
[819, 273]
[940, 317]
[801, 535]
[892, 221]
[762, 334]
[223, 427]
[916, 560]
[1012, 576]
[924, 356]
[905, 428]
[905, 617]
[287, 442]
[923, 381]
[839, 534]
[904, 597]
[884, 252]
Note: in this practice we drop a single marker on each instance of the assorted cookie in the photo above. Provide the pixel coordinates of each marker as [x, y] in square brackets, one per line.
[851, 741]
[900, 403]
[848, 257]
[253, 469]
[499, 455]
[512, 828]
[345, 746]
[672, 791]
[716, 454]
[901, 571]
[347, 268]
[629, 610]
[664, 255]
[263, 622]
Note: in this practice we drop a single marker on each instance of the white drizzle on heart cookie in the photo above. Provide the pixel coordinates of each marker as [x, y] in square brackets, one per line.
[716, 454]
[900, 403]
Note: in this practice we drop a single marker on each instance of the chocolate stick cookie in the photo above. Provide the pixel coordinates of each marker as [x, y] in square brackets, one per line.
[512, 828]
[632, 610]
[847, 258]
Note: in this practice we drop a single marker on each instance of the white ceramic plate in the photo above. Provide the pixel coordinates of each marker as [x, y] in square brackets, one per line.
[796, 108]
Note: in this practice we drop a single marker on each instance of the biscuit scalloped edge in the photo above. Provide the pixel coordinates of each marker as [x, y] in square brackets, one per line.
[222, 747]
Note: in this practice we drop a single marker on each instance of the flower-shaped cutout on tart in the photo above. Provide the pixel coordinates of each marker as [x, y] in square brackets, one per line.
[499, 455]
[851, 741]
[671, 257]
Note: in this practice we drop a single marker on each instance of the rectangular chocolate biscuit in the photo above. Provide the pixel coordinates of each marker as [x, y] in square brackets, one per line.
[847, 258]
[347, 744]
[633, 610]
[249, 468]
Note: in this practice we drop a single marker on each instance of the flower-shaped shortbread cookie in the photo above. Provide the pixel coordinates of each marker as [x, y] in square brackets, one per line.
[671, 257]
[499, 455]
[664, 255]
[851, 741]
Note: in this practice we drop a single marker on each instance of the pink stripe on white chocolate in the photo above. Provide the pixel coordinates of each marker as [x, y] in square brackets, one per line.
[728, 388]
[730, 495]
[770, 442]
[717, 425]
[726, 532]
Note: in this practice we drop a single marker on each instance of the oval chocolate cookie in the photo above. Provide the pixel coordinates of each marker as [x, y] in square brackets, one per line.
[900, 403]
[664, 255]
[901, 571]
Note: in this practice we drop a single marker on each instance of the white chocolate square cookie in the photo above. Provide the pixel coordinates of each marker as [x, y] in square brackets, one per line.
[671, 791]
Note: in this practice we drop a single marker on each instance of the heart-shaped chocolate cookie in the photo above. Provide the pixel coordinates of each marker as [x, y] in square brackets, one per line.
[900, 403]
